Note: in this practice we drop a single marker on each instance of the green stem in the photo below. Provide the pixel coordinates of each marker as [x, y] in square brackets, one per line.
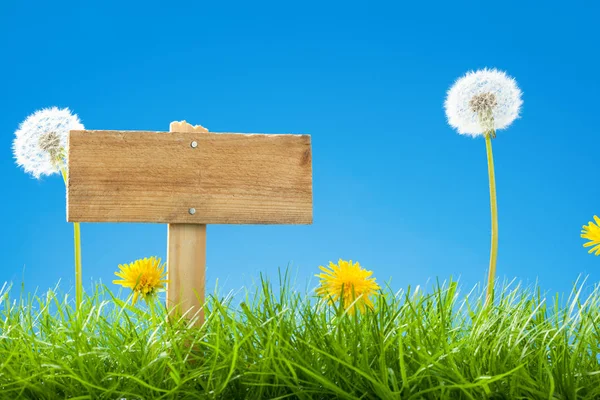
[77, 250]
[489, 297]
[78, 278]
[150, 302]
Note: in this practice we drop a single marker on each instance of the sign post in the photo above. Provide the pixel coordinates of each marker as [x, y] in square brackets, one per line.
[188, 178]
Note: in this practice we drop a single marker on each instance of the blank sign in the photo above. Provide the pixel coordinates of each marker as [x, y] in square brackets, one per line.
[189, 177]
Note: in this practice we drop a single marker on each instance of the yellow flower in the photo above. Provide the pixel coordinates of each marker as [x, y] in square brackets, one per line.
[348, 281]
[591, 231]
[144, 277]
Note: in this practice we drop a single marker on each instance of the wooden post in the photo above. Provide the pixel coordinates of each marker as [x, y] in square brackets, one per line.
[186, 258]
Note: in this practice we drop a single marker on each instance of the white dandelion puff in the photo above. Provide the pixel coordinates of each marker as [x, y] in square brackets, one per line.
[40, 142]
[481, 101]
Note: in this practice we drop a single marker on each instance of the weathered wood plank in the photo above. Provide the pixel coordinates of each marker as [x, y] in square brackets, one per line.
[134, 176]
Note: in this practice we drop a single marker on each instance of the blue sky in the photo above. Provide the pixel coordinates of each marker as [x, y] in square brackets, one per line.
[395, 188]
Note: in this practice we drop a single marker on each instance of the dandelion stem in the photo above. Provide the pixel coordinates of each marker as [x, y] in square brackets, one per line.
[489, 297]
[78, 278]
[77, 250]
[151, 306]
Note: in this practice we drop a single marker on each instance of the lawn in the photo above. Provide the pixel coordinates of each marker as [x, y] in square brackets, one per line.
[282, 343]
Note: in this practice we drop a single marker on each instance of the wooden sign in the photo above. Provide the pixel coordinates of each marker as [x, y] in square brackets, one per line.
[198, 178]
[188, 178]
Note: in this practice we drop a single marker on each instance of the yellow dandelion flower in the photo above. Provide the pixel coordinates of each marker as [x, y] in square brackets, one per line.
[144, 277]
[591, 231]
[347, 281]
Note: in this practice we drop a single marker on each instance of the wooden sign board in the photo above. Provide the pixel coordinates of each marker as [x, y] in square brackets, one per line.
[189, 178]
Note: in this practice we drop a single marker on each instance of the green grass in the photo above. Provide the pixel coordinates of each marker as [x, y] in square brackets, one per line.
[282, 344]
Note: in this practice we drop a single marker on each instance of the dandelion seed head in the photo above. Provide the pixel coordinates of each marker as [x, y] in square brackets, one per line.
[482, 100]
[482, 103]
[40, 139]
[50, 143]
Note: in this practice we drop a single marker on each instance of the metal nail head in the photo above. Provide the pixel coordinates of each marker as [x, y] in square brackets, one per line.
[194, 144]
[192, 211]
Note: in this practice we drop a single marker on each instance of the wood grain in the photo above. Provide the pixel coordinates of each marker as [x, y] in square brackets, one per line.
[186, 261]
[186, 270]
[134, 176]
